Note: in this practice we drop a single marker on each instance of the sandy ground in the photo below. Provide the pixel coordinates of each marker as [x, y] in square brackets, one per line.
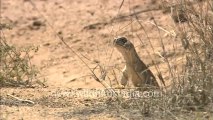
[88, 27]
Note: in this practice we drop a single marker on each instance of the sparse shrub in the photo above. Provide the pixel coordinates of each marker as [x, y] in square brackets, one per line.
[15, 67]
[197, 40]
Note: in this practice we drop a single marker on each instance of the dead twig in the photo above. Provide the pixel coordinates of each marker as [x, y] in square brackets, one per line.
[21, 100]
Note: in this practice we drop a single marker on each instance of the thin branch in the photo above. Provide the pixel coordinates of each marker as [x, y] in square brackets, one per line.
[22, 100]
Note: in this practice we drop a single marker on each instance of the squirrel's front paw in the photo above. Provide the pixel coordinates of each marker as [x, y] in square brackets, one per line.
[119, 86]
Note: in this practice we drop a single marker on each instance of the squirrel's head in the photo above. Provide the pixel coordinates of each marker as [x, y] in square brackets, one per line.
[123, 45]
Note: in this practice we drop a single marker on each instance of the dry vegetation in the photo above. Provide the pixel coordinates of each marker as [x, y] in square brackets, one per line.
[16, 68]
[188, 94]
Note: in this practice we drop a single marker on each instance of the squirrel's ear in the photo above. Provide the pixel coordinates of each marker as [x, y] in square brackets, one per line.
[127, 45]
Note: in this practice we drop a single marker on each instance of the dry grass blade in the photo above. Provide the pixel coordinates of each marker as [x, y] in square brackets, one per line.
[121, 5]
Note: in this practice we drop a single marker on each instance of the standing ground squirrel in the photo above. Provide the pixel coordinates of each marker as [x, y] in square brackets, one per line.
[135, 69]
